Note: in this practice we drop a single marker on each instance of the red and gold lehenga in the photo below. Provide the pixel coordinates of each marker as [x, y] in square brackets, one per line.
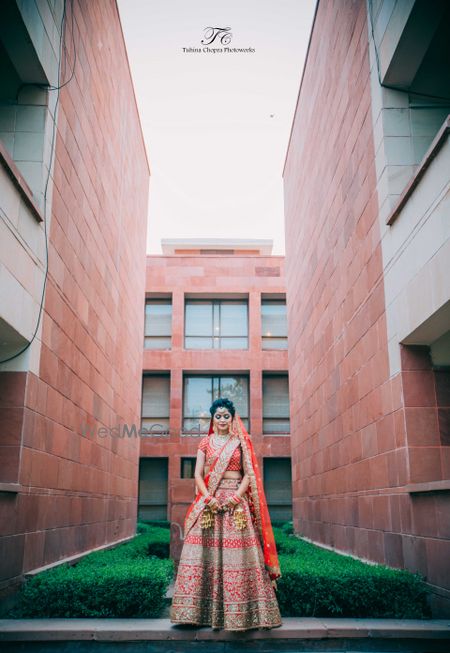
[227, 572]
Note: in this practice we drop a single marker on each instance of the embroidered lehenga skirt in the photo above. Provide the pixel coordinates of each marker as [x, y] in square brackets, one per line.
[221, 579]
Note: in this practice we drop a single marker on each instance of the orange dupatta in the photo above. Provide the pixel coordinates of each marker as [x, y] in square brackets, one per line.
[255, 495]
[257, 500]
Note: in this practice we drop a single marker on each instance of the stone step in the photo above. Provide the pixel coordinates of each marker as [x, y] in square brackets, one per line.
[296, 634]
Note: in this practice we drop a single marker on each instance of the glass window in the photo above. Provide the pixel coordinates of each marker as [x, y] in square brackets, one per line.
[156, 404]
[158, 324]
[216, 324]
[199, 319]
[153, 488]
[274, 324]
[278, 487]
[188, 467]
[276, 404]
[201, 390]
[233, 319]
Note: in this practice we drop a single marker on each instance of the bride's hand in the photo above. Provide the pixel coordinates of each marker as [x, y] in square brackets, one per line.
[229, 505]
[214, 504]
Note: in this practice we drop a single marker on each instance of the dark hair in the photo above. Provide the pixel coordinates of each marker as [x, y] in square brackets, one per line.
[222, 403]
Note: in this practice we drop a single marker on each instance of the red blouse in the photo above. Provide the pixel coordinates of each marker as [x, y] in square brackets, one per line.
[235, 463]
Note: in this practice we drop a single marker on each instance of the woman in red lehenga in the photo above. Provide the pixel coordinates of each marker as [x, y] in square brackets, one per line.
[228, 568]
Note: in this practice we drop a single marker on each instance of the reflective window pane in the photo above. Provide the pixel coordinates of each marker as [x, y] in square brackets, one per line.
[188, 467]
[198, 343]
[197, 396]
[233, 319]
[157, 342]
[195, 426]
[216, 324]
[153, 488]
[200, 392]
[236, 389]
[158, 317]
[278, 487]
[198, 321]
[274, 318]
[156, 396]
[276, 403]
[233, 343]
[155, 404]
[276, 427]
[274, 343]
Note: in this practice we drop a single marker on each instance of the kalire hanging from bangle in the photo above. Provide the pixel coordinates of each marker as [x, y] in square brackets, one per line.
[238, 513]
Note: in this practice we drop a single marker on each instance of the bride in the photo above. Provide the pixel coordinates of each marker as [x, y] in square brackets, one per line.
[228, 567]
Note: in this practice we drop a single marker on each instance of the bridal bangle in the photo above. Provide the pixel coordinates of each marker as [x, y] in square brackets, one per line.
[235, 498]
[239, 517]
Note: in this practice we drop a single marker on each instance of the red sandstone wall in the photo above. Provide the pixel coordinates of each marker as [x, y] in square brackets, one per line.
[78, 493]
[177, 275]
[338, 357]
[350, 457]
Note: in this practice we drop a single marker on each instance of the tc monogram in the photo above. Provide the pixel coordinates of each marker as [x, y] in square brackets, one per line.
[223, 33]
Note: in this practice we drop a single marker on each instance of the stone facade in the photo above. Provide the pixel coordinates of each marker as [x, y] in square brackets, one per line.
[367, 298]
[229, 275]
[63, 490]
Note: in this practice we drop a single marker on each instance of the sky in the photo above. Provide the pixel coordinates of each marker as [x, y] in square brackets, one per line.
[216, 123]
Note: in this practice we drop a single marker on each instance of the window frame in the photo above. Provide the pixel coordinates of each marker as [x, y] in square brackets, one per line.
[146, 431]
[184, 459]
[270, 374]
[215, 393]
[168, 336]
[216, 304]
[265, 339]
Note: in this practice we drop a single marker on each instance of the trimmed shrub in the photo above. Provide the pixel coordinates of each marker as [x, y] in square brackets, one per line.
[147, 526]
[132, 588]
[159, 542]
[320, 583]
[155, 543]
[129, 580]
[285, 526]
[288, 528]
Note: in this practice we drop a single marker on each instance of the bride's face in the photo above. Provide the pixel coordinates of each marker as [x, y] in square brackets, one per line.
[222, 420]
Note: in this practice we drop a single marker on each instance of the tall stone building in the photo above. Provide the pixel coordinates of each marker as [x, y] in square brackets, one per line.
[74, 179]
[367, 178]
[215, 325]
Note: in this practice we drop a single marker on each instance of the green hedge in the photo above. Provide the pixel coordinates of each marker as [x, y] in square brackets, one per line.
[146, 526]
[316, 582]
[133, 588]
[285, 526]
[155, 542]
[158, 542]
[130, 580]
